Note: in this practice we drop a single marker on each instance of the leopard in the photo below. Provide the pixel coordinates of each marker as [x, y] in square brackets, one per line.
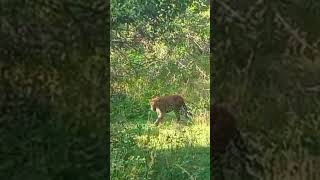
[169, 103]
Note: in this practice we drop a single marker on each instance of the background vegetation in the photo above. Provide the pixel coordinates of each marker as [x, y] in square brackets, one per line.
[266, 58]
[159, 48]
[52, 85]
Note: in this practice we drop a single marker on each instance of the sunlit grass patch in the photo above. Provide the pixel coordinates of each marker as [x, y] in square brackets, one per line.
[175, 135]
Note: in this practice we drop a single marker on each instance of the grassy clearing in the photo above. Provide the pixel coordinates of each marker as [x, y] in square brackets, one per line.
[174, 150]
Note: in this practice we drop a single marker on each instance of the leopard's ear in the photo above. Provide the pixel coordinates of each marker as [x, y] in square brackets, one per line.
[154, 97]
[153, 104]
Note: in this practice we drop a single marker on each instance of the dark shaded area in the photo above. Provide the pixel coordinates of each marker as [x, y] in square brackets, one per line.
[224, 128]
[53, 86]
[52, 30]
[266, 59]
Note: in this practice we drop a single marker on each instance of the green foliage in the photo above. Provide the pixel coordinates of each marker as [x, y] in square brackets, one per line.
[159, 48]
[156, 15]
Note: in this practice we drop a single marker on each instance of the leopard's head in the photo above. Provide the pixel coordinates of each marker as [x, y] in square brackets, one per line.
[154, 103]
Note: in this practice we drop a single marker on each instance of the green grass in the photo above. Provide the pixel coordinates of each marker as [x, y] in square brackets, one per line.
[174, 150]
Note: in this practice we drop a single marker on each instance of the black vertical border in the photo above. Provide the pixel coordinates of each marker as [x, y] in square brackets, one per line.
[107, 78]
[212, 22]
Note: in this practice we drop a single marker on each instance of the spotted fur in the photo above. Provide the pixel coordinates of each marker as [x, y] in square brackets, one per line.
[166, 104]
